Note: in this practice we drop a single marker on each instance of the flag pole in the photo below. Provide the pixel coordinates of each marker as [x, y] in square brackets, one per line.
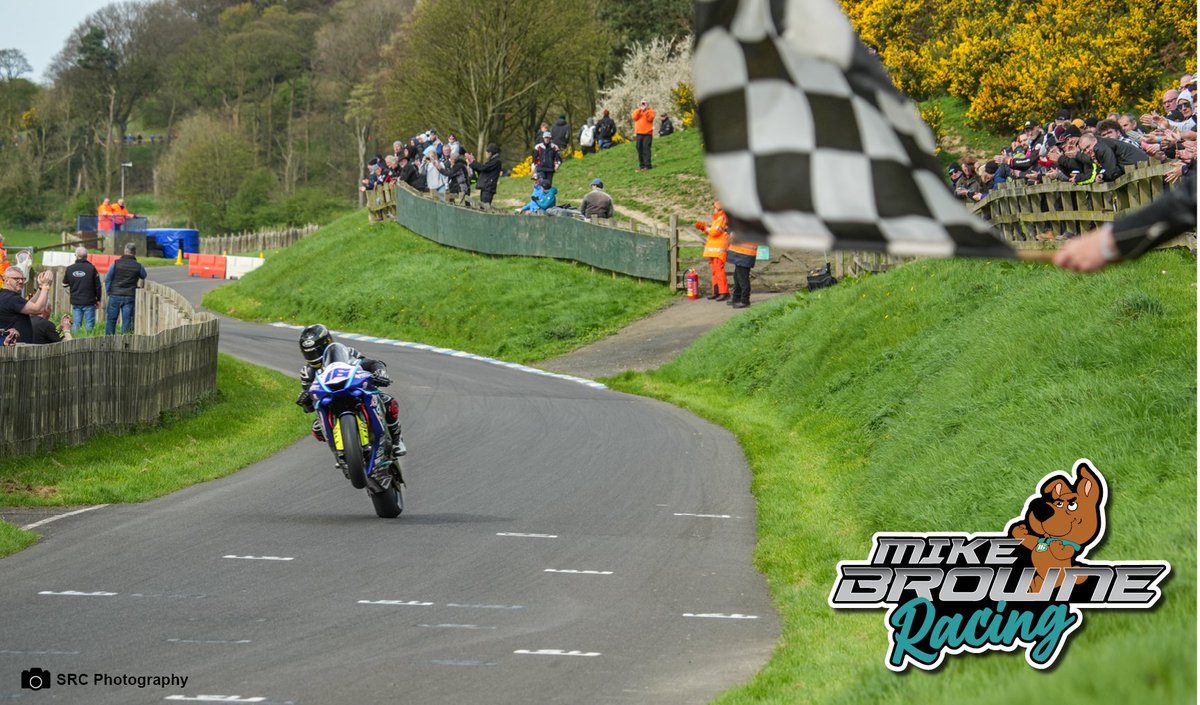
[1036, 255]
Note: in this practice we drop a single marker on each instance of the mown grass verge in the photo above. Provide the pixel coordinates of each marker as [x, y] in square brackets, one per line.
[934, 398]
[183, 449]
[383, 280]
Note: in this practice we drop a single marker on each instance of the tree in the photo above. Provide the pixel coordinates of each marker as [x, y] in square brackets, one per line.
[13, 64]
[508, 73]
[205, 168]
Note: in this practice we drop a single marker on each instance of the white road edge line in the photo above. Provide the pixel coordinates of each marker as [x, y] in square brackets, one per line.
[704, 516]
[455, 353]
[56, 517]
[216, 698]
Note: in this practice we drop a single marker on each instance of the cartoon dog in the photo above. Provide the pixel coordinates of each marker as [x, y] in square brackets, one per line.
[1061, 522]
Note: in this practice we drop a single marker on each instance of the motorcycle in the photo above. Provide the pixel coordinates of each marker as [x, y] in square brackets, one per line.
[348, 406]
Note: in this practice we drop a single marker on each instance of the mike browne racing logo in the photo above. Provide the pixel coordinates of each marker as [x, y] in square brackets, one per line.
[946, 593]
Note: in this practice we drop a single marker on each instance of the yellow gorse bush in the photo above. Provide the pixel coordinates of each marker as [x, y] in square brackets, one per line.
[1014, 61]
[522, 170]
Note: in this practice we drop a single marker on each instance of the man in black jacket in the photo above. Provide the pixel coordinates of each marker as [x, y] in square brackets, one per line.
[122, 284]
[560, 133]
[83, 281]
[1112, 155]
[487, 174]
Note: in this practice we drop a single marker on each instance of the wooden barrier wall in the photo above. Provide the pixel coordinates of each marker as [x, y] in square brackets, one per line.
[62, 394]
[254, 243]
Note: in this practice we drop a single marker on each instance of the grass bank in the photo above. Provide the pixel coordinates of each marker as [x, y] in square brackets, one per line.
[154, 461]
[934, 398]
[677, 185]
[383, 280]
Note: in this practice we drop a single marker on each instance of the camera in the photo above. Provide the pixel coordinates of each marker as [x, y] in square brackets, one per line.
[35, 679]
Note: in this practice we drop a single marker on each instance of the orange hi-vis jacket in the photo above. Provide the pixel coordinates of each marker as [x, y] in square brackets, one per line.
[119, 213]
[643, 121]
[741, 253]
[104, 219]
[718, 236]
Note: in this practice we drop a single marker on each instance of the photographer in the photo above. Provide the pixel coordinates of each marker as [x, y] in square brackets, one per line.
[487, 175]
[643, 129]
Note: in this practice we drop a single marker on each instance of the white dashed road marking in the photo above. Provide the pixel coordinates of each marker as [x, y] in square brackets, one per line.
[717, 615]
[704, 516]
[555, 652]
[529, 536]
[578, 572]
[397, 603]
[453, 626]
[486, 607]
[77, 593]
[209, 641]
[262, 558]
[216, 699]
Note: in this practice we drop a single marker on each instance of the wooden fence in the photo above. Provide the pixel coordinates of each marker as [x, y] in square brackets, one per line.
[1021, 212]
[255, 242]
[62, 394]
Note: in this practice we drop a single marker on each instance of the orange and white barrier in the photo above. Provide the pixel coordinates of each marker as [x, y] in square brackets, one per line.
[206, 266]
[238, 267]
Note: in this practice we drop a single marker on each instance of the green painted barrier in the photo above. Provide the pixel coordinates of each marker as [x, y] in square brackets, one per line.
[636, 254]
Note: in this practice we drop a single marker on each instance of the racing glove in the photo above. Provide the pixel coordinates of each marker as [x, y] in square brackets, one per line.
[305, 401]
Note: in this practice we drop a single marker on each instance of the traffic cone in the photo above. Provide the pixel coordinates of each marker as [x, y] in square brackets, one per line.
[179, 256]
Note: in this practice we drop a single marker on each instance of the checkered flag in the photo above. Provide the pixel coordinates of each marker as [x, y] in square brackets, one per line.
[810, 146]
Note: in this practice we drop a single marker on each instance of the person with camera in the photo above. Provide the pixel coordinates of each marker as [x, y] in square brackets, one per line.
[15, 311]
[643, 130]
[487, 174]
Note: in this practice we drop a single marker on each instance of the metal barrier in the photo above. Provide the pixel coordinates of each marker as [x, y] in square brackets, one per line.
[629, 252]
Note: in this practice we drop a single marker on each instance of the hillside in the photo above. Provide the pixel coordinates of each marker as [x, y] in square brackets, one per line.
[934, 398]
[390, 282]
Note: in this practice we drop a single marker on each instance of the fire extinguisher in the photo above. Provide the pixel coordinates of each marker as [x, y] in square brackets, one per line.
[692, 282]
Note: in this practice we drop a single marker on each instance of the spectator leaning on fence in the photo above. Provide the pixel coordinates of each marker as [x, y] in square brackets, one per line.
[122, 283]
[83, 281]
[1112, 156]
[45, 333]
[15, 310]
[597, 203]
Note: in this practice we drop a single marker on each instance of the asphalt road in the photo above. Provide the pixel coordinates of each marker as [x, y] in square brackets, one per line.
[560, 544]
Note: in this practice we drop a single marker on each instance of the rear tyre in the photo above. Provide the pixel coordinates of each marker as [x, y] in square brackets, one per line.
[352, 449]
[390, 502]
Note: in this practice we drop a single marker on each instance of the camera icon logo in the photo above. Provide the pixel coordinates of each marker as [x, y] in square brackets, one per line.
[35, 679]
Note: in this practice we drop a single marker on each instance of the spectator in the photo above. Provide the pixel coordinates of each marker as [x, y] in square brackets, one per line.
[1111, 155]
[44, 332]
[83, 281]
[122, 283]
[15, 311]
[606, 130]
[435, 177]
[643, 130]
[543, 198]
[1129, 127]
[969, 186]
[597, 203]
[3, 256]
[546, 158]
[587, 137]
[1037, 139]
[454, 145]
[665, 127]
[398, 150]
[955, 172]
[1061, 120]
[1187, 123]
[487, 175]
[1187, 87]
[561, 133]
[459, 178]
[412, 174]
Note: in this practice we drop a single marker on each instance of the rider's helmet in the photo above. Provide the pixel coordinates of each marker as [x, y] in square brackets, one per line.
[313, 341]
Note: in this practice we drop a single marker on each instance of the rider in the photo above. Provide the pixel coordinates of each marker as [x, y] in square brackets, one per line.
[313, 341]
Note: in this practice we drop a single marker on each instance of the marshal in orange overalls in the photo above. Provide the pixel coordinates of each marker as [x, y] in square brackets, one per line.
[715, 248]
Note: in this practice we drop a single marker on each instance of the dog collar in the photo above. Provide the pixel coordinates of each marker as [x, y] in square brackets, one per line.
[1044, 543]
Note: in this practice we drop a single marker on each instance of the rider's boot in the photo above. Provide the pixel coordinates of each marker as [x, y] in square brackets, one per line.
[398, 448]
